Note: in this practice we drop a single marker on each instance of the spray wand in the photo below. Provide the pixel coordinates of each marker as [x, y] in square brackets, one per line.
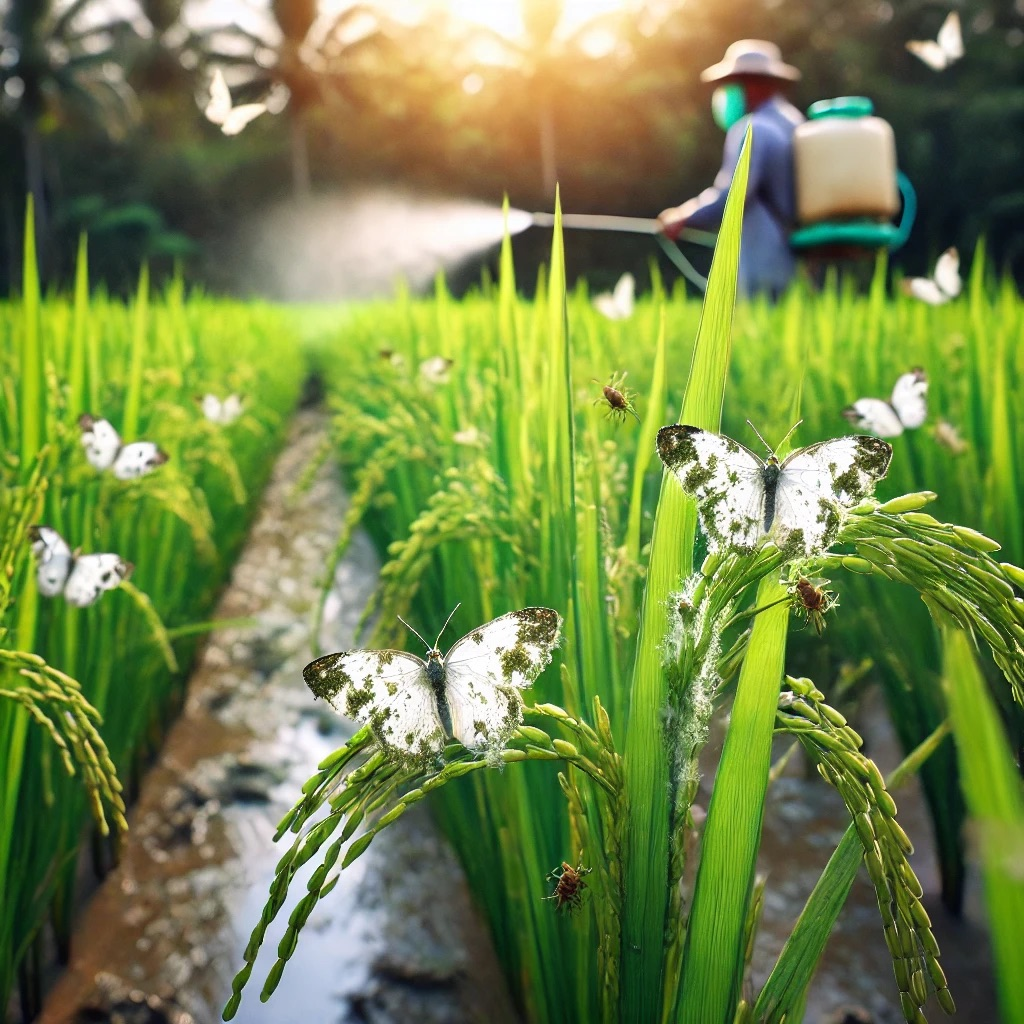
[637, 226]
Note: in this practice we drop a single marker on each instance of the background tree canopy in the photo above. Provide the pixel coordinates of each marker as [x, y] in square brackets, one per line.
[101, 113]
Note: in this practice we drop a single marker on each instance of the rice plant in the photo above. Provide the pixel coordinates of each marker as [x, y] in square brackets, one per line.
[840, 347]
[85, 691]
[486, 472]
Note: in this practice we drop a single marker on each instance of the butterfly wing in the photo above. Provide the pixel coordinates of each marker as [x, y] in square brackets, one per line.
[388, 690]
[212, 407]
[91, 575]
[950, 38]
[947, 273]
[54, 558]
[625, 290]
[617, 304]
[909, 399]
[137, 459]
[436, 369]
[925, 289]
[930, 52]
[231, 409]
[486, 669]
[239, 117]
[482, 715]
[219, 106]
[816, 484]
[604, 303]
[726, 480]
[875, 415]
[100, 441]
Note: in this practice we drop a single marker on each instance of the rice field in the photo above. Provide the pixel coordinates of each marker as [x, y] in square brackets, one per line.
[495, 472]
[86, 692]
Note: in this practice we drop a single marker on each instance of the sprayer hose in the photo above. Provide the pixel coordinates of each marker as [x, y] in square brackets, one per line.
[681, 263]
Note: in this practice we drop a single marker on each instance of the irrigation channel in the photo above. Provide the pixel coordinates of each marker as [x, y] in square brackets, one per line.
[398, 940]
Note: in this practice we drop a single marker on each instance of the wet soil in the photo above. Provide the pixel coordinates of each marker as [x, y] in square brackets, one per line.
[804, 822]
[398, 940]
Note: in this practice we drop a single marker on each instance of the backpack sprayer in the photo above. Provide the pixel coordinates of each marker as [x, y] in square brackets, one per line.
[847, 191]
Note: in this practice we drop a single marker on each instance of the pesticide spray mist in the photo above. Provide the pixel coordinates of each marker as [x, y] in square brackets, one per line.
[359, 246]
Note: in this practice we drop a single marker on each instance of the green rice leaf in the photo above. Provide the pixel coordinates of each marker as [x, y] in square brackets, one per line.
[32, 400]
[995, 799]
[713, 954]
[787, 984]
[133, 396]
[648, 782]
[76, 371]
[656, 401]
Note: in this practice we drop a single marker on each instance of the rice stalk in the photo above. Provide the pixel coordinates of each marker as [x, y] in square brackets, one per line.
[992, 788]
[648, 779]
[181, 526]
[377, 784]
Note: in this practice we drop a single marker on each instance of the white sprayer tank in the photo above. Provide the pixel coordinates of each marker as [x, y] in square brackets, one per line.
[845, 163]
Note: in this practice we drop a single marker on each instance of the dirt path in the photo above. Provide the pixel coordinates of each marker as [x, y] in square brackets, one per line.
[396, 941]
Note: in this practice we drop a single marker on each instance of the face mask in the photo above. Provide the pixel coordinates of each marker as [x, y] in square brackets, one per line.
[728, 105]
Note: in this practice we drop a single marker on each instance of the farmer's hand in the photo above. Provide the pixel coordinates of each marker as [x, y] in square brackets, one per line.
[672, 221]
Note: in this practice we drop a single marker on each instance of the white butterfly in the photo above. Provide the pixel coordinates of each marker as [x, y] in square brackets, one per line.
[471, 693]
[907, 409]
[436, 369]
[104, 450]
[219, 110]
[617, 304]
[945, 285]
[80, 578]
[221, 411]
[743, 500]
[948, 47]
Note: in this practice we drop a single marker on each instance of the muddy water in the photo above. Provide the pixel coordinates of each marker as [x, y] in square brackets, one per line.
[396, 941]
[804, 822]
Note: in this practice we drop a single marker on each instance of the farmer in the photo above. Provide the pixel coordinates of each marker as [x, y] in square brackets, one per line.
[750, 81]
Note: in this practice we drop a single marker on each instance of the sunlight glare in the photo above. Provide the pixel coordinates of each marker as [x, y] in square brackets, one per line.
[505, 16]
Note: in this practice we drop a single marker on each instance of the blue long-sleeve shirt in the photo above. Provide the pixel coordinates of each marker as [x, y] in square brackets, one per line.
[766, 261]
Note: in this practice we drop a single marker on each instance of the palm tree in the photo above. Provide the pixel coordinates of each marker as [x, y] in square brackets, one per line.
[55, 65]
[541, 18]
[295, 18]
[316, 62]
[551, 64]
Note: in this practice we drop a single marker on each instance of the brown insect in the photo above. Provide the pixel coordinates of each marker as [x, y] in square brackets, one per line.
[813, 601]
[569, 886]
[615, 396]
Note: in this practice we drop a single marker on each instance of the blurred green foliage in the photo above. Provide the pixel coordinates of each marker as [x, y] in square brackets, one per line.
[97, 106]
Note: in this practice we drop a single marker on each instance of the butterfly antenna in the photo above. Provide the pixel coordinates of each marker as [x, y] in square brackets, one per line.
[445, 626]
[781, 443]
[413, 631]
[788, 435]
[759, 437]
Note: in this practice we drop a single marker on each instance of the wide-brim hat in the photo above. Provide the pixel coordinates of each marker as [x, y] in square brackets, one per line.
[751, 57]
